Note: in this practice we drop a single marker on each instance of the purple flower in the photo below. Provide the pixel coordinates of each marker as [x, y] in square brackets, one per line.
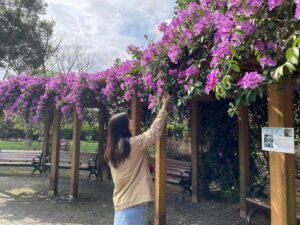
[36, 118]
[148, 54]
[132, 48]
[255, 3]
[272, 46]
[173, 72]
[212, 80]
[203, 24]
[187, 35]
[274, 3]
[251, 80]
[193, 7]
[191, 71]
[152, 101]
[247, 27]
[297, 13]
[173, 53]
[233, 3]
[148, 80]
[163, 27]
[127, 96]
[259, 45]
[267, 61]
[65, 109]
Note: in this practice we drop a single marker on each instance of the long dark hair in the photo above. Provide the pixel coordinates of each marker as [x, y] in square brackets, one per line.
[118, 147]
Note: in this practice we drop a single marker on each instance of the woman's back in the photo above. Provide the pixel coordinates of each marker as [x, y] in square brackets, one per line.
[132, 178]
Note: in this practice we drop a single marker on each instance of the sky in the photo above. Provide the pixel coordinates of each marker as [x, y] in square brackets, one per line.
[106, 27]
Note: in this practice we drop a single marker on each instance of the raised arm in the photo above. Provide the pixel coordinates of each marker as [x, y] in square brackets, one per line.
[152, 135]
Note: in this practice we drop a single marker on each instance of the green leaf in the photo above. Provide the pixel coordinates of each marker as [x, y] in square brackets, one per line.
[233, 51]
[235, 68]
[202, 12]
[198, 84]
[191, 90]
[226, 81]
[296, 52]
[290, 67]
[296, 42]
[220, 92]
[260, 92]
[278, 73]
[289, 54]
[294, 60]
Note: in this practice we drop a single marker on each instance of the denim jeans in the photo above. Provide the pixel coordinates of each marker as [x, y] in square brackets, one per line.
[136, 215]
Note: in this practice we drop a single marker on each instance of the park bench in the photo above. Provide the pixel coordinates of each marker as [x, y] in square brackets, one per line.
[21, 158]
[178, 173]
[264, 204]
[87, 162]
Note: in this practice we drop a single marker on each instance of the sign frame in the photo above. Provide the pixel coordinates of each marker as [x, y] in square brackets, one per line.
[278, 139]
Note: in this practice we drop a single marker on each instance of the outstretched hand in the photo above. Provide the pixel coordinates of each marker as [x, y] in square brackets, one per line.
[166, 101]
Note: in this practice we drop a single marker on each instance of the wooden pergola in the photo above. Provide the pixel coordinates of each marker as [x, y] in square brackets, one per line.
[56, 124]
[161, 157]
[282, 166]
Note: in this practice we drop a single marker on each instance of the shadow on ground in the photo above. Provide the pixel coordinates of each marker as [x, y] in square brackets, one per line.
[24, 200]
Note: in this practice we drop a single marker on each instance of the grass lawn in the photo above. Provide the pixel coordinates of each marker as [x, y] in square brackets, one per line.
[35, 145]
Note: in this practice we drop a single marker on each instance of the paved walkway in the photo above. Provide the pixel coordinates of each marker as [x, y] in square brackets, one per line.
[24, 200]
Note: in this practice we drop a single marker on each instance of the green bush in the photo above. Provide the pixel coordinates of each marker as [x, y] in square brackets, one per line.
[66, 133]
[177, 130]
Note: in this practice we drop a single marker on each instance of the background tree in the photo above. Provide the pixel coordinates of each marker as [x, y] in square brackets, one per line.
[69, 58]
[24, 35]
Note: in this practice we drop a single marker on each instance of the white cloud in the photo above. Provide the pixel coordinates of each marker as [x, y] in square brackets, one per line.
[106, 27]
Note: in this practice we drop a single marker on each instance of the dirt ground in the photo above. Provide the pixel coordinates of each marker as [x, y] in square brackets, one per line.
[25, 200]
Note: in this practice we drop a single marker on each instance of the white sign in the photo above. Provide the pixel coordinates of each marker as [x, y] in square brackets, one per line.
[278, 139]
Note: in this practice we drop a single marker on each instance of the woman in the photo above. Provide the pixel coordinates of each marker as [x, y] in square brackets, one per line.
[129, 166]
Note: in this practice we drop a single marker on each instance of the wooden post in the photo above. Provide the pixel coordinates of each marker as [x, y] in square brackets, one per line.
[160, 180]
[75, 156]
[282, 165]
[195, 150]
[46, 138]
[135, 115]
[101, 143]
[55, 152]
[244, 158]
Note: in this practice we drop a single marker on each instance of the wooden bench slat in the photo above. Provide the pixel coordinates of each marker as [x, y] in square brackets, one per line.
[175, 175]
[264, 203]
[15, 163]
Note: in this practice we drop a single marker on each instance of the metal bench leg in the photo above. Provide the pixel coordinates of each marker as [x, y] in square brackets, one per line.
[33, 171]
[91, 173]
[190, 191]
[46, 172]
[186, 190]
[252, 211]
[250, 214]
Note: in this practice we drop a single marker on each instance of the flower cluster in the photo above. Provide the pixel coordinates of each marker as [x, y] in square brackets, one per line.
[203, 43]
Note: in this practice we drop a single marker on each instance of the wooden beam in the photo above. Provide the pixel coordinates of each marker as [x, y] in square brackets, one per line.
[136, 115]
[101, 143]
[195, 150]
[160, 180]
[55, 152]
[282, 165]
[205, 98]
[46, 139]
[244, 158]
[75, 156]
